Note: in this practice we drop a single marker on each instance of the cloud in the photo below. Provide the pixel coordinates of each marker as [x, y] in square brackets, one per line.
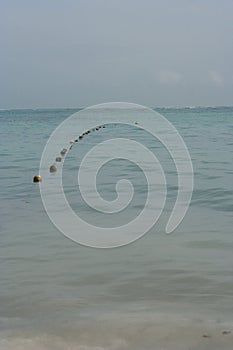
[216, 78]
[169, 77]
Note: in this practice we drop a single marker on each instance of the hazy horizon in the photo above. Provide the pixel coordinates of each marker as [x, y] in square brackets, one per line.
[79, 53]
[83, 107]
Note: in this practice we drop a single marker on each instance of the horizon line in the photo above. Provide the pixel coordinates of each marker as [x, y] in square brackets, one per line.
[83, 107]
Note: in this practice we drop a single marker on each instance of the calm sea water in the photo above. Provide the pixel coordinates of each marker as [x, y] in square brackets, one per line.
[161, 292]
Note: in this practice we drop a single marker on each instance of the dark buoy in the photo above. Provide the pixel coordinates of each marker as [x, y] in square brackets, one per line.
[37, 178]
[58, 159]
[80, 137]
[205, 335]
[63, 151]
[53, 168]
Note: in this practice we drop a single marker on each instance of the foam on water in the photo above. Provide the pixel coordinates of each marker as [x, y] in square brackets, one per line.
[165, 333]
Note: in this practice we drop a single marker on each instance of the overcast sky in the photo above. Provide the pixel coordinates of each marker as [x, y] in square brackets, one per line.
[71, 53]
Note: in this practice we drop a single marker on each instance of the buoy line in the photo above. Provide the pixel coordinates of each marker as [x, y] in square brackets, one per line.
[53, 167]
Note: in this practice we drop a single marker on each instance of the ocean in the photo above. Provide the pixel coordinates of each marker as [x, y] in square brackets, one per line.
[162, 291]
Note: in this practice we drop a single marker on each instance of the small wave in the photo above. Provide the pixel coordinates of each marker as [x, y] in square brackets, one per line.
[215, 198]
[149, 334]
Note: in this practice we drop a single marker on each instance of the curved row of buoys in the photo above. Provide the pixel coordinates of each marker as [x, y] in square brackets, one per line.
[53, 167]
[72, 142]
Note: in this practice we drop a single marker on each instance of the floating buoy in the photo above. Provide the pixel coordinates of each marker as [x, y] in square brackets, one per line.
[53, 168]
[58, 159]
[80, 137]
[205, 335]
[72, 141]
[63, 151]
[136, 123]
[37, 178]
[97, 129]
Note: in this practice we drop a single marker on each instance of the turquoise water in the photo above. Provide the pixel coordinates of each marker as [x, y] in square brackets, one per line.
[160, 292]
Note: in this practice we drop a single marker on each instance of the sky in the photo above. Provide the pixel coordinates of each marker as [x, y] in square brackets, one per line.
[77, 53]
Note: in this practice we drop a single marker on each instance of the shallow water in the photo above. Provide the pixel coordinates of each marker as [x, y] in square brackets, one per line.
[162, 291]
